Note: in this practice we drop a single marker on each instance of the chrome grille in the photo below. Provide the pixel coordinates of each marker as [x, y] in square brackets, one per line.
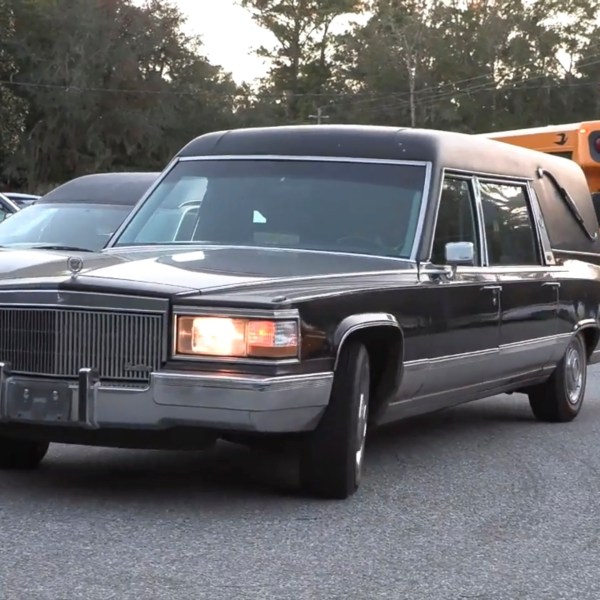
[123, 346]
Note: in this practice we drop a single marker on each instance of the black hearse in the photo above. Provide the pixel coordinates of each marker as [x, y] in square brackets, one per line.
[307, 282]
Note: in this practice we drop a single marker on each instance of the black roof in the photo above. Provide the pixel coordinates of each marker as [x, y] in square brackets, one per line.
[444, 149]
[102, 188]
[451, 149]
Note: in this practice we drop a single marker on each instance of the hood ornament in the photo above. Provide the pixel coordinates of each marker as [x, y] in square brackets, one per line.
[75, 265]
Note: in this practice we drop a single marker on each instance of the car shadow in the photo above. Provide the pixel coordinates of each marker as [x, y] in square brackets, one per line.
[238, 473]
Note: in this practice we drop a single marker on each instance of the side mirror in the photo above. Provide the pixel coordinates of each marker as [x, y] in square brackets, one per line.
[460, 254]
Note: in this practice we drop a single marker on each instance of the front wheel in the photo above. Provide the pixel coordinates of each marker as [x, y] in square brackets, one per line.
[559, 399]
[331, 464]
[21, 454]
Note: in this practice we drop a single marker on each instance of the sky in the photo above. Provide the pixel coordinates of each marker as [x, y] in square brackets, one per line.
[229, 35]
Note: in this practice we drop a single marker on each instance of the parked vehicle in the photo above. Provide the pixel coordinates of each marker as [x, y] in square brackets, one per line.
[308, 283]
[22, 200]
[7, 207]
[81, 214]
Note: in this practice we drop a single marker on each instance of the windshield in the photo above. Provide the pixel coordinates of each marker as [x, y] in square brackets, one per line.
[87, 226]
[368, 208]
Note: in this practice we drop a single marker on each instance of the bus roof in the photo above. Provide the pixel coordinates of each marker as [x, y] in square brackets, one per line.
[585, 125]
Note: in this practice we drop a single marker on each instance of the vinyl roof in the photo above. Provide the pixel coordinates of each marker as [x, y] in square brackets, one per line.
[102, 188]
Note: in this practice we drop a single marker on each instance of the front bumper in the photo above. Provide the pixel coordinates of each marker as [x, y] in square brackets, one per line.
[285, 404]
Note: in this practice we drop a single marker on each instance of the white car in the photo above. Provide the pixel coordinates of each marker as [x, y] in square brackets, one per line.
[22, 200]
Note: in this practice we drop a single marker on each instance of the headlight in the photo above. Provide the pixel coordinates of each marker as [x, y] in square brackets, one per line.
[239, 338]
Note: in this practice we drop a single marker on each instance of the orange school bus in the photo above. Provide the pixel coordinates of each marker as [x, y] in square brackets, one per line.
[579, 142]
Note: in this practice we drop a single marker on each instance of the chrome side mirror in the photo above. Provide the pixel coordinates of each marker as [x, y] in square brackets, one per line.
[460, 254]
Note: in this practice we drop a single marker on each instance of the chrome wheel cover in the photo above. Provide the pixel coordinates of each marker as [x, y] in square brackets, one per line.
[574, 374]
[361, 434]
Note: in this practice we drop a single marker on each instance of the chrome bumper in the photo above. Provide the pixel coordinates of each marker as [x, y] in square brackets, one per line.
[229, 403]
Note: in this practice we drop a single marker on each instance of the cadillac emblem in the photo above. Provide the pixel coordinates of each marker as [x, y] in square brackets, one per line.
[74, 264]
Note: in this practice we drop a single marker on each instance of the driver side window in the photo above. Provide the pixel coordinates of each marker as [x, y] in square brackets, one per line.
[456, 221]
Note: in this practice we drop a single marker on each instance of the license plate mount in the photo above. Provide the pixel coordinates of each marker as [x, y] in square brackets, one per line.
[39, 402]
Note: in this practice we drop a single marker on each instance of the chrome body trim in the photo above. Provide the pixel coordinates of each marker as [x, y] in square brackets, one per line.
[501, 178]
[483, 259]
[199, 247]
[431, 269]
[440, 382]
[515, 182]
[585, 323]
[426, 403]
[82, 300]
[46, 333]
[422, 213]
[361, 321]
[543, 238]
[474, 179]
[493, 351]
[286, 404]
[11, 206]
[577, 253]
[298, 158]
[225, 311]
[305, 158]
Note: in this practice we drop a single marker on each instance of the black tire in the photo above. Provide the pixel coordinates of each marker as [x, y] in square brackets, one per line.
[21, 454]
[330, 464]
[559, 399]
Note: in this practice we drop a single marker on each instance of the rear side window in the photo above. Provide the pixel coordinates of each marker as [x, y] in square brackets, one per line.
[509, 227]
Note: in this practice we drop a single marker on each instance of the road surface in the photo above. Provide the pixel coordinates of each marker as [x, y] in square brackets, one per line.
[479, 502]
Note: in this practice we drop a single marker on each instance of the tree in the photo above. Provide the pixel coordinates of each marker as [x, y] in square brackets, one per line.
[468, 65]
[301, 56]
[120, 88]
[12, 109]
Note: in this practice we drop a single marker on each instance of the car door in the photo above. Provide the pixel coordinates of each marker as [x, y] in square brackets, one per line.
[529, 296]
[464, 301]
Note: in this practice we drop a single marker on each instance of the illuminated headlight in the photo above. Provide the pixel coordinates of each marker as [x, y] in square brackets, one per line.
[239, 338]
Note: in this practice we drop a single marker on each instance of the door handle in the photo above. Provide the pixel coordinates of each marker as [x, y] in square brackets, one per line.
[494, 288]
[555, 284]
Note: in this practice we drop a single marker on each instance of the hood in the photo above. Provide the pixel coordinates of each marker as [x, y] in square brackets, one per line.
[171, 271]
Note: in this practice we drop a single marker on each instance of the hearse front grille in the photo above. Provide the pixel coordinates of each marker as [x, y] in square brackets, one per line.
[57, 342]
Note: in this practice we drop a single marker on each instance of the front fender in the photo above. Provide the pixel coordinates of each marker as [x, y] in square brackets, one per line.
[354, 323]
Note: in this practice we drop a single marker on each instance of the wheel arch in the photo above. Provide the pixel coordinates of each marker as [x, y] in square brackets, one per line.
[590, 330]
[383, 339]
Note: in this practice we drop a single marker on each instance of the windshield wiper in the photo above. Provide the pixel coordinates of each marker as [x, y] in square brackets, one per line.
[59, 247]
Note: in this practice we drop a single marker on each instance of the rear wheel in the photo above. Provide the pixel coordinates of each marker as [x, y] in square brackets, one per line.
[331, 465]
[559, 399]
[21, 454]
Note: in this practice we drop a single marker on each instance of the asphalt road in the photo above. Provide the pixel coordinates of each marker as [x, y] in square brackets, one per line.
[480, 502]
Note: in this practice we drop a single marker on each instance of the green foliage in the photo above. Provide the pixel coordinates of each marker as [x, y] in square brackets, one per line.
[468, 65]
[301, 59]
[100, 85]
[12, 108]
[110, 86]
